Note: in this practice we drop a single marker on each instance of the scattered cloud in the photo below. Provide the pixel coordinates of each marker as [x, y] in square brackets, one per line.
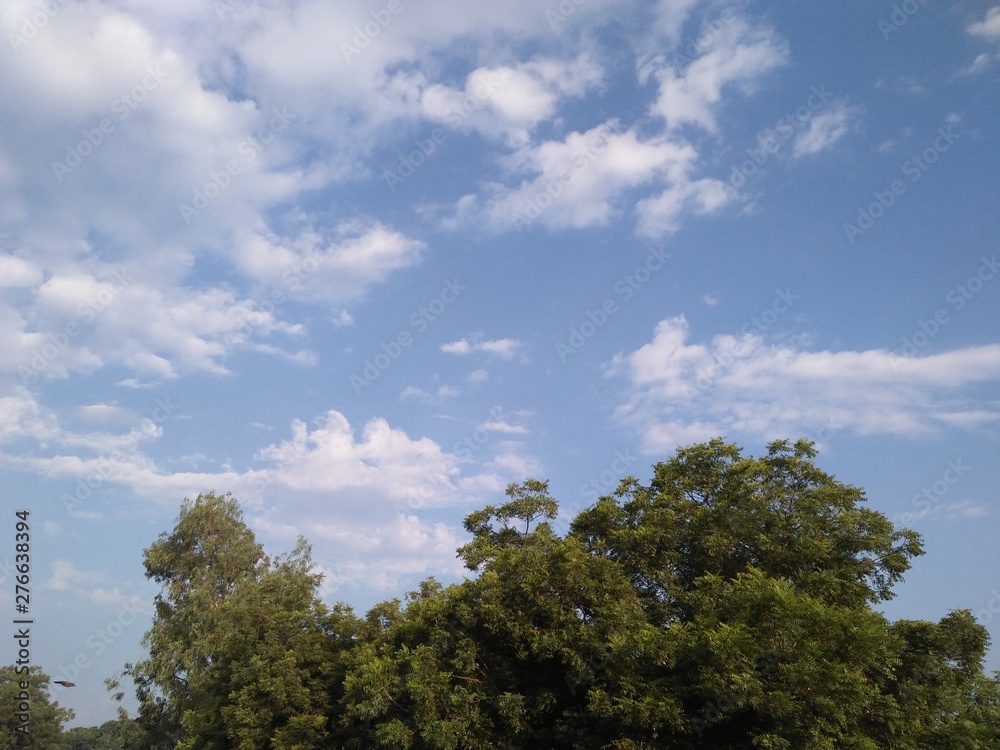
[989, 27]
[825, 129]
[737, 56]
[681, 392]
[506, 349]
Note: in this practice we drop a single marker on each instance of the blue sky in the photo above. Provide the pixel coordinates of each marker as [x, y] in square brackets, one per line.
[365, 264]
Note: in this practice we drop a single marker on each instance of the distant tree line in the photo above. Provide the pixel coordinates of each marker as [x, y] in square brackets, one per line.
[728, 604]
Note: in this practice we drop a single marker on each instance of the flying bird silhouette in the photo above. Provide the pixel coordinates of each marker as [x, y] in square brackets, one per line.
[64, 683]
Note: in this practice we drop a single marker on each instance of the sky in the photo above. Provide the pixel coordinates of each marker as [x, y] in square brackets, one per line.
[364, 264]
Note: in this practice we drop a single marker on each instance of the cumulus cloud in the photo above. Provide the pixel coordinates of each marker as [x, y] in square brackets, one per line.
[365, 491]
[736, 56]
[509, 101]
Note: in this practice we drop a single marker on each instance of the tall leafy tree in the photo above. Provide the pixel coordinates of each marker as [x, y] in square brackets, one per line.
[513, 657]
[240, 651]
[728, 604]
[762, 573]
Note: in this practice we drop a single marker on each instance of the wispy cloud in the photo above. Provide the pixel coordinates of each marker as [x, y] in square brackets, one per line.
[825, 129]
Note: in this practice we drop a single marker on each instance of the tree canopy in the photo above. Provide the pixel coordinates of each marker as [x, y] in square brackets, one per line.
[729, 604]
[30, 718]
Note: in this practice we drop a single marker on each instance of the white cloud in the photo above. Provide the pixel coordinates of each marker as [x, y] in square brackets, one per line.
[737, 55]
[989, 27]
[681, 392]
[825, 129]
[509, 101]
[335, 266]
[503, 348]
[981, 63]
[16, 272]
[583, 180]
[442, 394]
[155, 332]
[501, 426]
[366, 492]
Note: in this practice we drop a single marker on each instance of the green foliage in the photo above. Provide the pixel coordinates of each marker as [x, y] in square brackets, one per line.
[117, 734]
[728, 604]
[45, 717]
[242, 654]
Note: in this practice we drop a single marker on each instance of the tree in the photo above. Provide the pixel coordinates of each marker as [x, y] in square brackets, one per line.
[761, 573]
[512, 657]
[241, 650]
[728, 604]
[116, 734]
[30, 718]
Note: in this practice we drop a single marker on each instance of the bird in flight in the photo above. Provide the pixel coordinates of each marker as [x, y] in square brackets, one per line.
[65, 684]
